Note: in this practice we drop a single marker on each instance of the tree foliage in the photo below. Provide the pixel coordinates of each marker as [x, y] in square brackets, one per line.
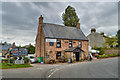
[111, 42]
[70, 17]
[31, 49]
[118, 35]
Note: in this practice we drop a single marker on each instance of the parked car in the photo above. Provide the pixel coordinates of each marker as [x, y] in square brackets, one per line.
[3, 58]
[32, 59]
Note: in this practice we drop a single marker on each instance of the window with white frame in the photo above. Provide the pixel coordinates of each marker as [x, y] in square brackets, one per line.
[70, 44]
[80, 44]
[58, 45]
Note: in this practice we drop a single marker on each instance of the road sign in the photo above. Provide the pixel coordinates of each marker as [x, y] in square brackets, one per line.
[19, 61]
[18, 52]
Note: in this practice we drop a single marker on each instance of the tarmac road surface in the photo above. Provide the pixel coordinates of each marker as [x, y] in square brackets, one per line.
[101, 68]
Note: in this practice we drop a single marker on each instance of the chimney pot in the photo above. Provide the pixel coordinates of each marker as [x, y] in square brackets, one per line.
[40, 19]
[102, 33]
[93, 30]
[78, 25]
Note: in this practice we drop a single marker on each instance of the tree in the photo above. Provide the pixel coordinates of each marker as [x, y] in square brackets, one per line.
[70, 17]
[19, 46]
[118, 35]
[111, 42]
[31, 49]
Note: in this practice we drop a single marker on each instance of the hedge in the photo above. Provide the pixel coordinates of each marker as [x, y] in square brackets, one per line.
[26, 60]
[109, 55]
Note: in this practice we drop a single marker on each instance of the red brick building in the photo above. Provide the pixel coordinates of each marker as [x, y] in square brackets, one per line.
[56, 41]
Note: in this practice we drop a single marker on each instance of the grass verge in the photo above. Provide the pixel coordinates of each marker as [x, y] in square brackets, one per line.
[11, 65]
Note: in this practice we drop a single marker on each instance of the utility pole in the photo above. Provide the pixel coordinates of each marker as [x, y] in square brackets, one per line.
[9, 56]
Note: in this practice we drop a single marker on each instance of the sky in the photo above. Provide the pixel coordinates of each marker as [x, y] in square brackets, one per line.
[20, 19]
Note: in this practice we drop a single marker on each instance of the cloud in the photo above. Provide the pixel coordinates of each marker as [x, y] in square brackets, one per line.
[20, 19]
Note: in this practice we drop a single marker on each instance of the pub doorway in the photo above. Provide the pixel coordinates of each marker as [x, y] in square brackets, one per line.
[77, 56]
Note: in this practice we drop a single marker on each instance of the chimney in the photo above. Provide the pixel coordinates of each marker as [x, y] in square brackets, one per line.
[93, 30]
[78, 25]
[40, 19]
[40, 23]
[13, 45]
[102, 33]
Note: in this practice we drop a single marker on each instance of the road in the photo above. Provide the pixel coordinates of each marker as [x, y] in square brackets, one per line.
[102, 68]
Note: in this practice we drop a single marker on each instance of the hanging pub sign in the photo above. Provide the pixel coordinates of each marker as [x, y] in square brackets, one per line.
[18, 52]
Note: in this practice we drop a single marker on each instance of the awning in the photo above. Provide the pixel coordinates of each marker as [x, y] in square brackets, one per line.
[74, 49]
[95, 51]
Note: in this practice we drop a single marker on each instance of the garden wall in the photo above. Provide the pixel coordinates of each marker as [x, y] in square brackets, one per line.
[111, 51]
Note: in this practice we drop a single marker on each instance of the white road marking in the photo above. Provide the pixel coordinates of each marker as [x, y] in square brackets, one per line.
[49, 76]
[54, 70]
[53, 73]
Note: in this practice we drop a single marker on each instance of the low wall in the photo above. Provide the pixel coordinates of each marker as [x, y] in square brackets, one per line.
[111, 51]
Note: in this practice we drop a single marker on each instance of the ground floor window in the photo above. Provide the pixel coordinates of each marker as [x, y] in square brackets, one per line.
[47, 56]
[58, 55]
[74, 55]
[51, 43]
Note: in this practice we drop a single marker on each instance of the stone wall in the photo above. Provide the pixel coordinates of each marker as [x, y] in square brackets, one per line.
[111, 51]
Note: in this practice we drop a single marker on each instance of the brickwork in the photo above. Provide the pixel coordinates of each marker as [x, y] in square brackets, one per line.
[43, 49]
[64, 46]
[40, 40]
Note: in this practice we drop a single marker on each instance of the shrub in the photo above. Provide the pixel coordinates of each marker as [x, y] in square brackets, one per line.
[47, 61]
[26, 60]
[81, 59]
[109, 55]
[113, 55]
[6, 60]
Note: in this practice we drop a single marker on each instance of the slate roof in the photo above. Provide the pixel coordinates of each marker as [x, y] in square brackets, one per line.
[96, 39]
[62, 32]
[72, 49]
[6, 46]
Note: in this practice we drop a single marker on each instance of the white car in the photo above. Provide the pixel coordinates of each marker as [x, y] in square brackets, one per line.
[3, 58]
[32, 59]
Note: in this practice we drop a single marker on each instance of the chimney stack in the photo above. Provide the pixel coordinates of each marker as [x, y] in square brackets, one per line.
[13, 45]
[40, 23]
[78, 25]
[40, 19]
[102, 33]
[93, 30]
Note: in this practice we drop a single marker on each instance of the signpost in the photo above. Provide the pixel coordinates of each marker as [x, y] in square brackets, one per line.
[17, 52]
[9, 55]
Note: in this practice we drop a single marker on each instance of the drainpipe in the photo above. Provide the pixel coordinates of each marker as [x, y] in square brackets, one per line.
[44, 49]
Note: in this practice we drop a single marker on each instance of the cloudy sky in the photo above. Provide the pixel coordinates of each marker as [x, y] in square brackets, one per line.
[20, 19]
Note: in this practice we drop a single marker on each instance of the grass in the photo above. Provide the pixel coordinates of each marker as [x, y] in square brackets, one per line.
[11, 65]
